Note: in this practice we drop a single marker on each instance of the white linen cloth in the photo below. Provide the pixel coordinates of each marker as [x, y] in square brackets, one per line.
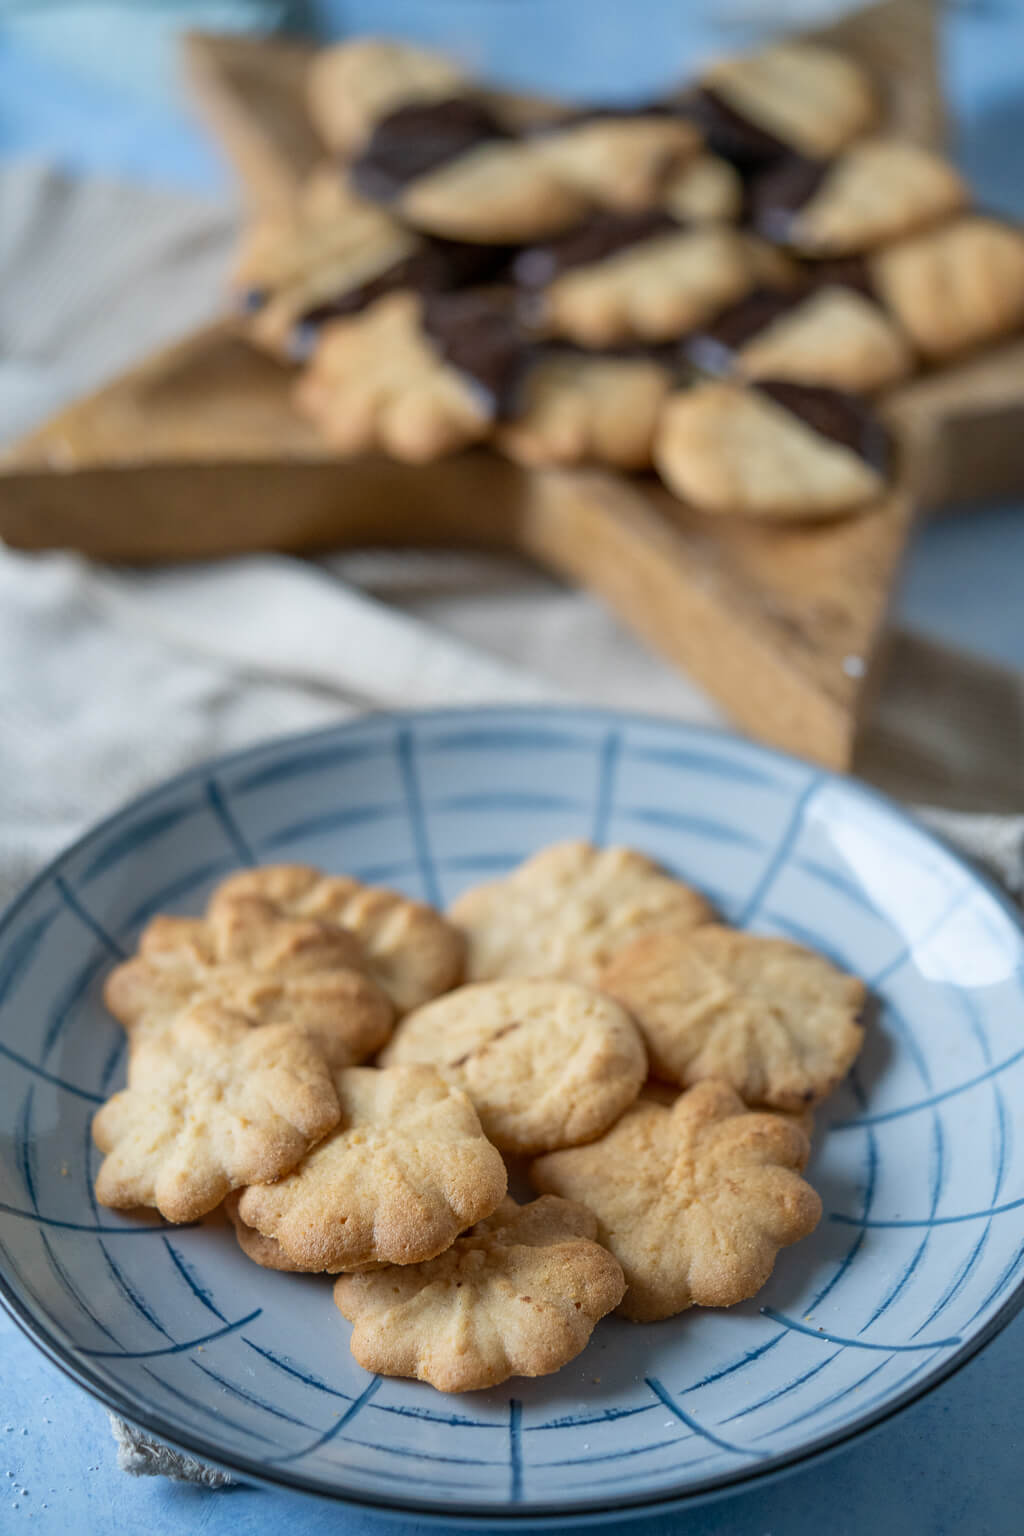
[112, 679]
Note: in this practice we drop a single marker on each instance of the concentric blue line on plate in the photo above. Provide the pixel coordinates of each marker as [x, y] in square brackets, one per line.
[910, 1269]
[78, 1226]
[698, 826]
[930, 1221]
[828, 1402]
[135, 836]
[248, 1397]
[170, 1349]
[93, 924]
[69, 999]
[784, 1391]
[882, 1115]
[824, 1337]
[21, 954]
[501, 800]
[181, 885]
[344, 1419]
[185, 1271]
[782, 851]
[302, 764]
[663, 1394]
[196, 1405]
[735, 1365]
[292, 1370]
[711, 764]
[330, 821]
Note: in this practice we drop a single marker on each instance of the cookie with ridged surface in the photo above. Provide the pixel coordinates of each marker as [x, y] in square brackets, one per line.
[546, 1063]
[404, 1172]
[519, 1295]
[695, 1201]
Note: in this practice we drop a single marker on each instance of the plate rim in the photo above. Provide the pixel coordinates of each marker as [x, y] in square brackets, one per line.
[510, 1516]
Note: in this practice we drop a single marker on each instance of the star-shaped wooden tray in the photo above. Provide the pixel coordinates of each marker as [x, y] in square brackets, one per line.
[199, 452]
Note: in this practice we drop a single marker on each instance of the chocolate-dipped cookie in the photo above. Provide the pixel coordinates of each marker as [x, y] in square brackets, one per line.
[773, 450]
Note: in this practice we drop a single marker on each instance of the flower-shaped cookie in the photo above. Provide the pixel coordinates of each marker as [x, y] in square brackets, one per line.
[635, 277]
[211, 1104]
[517, 1296]
[546, 1063]
[875, 191]
[407, 1169]
[377, 383]
[351, 86]
[776, 450]
[775, 1020]
[831, 335]
[409, 949]
[792, 95]
[619, 159]
[956, 286]
[578, 406]
[694, 1201]
[567, 910]
[267, 968]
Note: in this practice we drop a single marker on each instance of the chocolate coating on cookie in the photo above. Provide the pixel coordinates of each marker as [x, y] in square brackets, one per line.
[714, 346]
[842, 272]
[438, 266]
[840, 417]
[603, 235]
[729, 133]
[778, 194]
[417, 139]
[479, 334]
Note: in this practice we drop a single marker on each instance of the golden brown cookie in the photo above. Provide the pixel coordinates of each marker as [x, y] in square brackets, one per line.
[777, 1022]
[706, 189]
[377, 384]
[405, 1171]
[291, 274]
[577, 407]
[567, 910]
[546, 1063]
[694, 1201]
[655, 1091]
[264, 1251]
[211, 1104]
[353, 84]
[777, 450]
[268, 969]
[517, 1296]
[875, 191]
[832, 335]
[954, 287]
[809, 98]
[617, 160]
[638, 277]
[409, 949]
[452, 168]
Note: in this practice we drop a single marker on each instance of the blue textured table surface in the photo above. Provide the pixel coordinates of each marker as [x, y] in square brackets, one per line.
[953, 1463]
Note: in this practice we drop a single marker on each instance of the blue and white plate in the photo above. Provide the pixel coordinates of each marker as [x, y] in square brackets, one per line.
[919, 1257]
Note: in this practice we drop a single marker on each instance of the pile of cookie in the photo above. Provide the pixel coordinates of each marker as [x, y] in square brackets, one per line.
[522, 1026]
[711, 285]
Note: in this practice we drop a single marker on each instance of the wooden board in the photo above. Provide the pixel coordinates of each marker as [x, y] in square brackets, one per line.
[199, 453]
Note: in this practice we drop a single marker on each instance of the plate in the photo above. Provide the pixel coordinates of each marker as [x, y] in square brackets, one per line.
[917, 1260]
